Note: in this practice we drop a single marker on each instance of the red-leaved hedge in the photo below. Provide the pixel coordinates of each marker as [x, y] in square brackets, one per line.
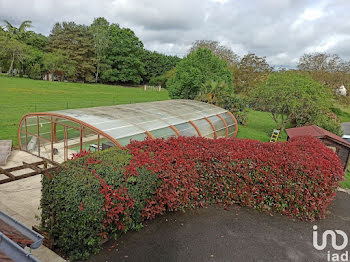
[297, 178]
[106, 193]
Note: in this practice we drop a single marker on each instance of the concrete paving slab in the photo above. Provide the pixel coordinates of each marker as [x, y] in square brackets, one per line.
[21, 200]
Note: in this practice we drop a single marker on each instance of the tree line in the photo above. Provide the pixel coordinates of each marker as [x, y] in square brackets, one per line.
[215, 74]
[101, 52]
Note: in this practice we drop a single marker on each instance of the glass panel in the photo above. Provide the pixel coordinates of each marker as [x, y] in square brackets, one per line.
[230, 122]
[44, 128]
[163, 132]
[219, 125]
[32, 125]
[23, 135]
[204, 127]
[45, 149]
[121, 132]
[59, 134]
[126, 140]
[186, 129]
[32, 144]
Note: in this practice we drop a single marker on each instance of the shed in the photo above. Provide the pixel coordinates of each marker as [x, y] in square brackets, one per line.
[56, 135]
[338, 144]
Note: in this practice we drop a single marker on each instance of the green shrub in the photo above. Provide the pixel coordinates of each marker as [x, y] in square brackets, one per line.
[162, 80]
[196, 69]
[72, 203]
[219, 94]
[34, 72]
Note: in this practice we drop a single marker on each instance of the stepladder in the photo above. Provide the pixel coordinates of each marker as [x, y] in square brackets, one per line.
[274, 136]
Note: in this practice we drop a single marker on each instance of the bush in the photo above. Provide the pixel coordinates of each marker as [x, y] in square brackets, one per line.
[87, 201]
[162, 80]
[34, 72]
[218, 93]
[196, 69]
[110, 192]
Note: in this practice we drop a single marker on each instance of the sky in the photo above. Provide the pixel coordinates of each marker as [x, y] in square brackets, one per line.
[281, 30]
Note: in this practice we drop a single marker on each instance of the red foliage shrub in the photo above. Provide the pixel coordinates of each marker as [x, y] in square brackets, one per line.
[297, 178]
[117, 207]
[80, 154]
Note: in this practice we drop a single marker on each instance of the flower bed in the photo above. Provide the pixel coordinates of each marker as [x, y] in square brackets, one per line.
[109, 192]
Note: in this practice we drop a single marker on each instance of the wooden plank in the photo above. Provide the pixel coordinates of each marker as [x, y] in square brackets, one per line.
[34, 173]
[22, 166]
[7, 173]
[32, 166]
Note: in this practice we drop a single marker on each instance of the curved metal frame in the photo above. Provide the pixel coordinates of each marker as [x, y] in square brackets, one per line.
[175, 130]
[225, 123]
[236, 123]
[212, 127]
[195, 127]
[81, 123]
[150, 135]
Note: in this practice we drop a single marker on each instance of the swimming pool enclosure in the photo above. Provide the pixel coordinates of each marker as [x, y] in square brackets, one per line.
[56, 135]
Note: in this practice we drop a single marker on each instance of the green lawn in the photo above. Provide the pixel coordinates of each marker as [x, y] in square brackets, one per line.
[342, 111]
[19, 96]
[259, 127]
[346, 182]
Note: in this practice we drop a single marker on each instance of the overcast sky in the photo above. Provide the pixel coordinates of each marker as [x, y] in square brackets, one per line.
[281, 30]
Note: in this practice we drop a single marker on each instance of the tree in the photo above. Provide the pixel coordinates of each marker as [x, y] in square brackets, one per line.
[76, 42]
[157, 64]
[329, 69]
[13, 43]
[196, 69]
[292, 96]
[163, 79]
[223, 52]
[251, 71]
[124, 56]
[59, 61]
[219, 94]
[99, 29]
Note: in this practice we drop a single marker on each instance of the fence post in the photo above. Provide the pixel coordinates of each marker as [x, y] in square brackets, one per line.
[145, 88]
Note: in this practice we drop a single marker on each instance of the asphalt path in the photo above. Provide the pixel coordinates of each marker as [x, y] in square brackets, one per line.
[346, 128]
[237, 234]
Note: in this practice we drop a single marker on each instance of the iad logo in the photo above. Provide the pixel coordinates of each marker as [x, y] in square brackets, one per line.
[332, 234]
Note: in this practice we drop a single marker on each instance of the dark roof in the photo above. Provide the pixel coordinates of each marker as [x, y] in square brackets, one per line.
[316, 132]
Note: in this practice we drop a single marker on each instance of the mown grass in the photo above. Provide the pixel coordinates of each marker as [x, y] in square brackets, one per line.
[260, 126]
[342, 110]
[346, 182]
[19, 96]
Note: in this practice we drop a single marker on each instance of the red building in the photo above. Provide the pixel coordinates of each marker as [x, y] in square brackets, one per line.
[338, 144]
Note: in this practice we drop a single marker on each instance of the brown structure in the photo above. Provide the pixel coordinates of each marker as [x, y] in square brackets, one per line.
[57, 75]
[37, 168]
[338, 144]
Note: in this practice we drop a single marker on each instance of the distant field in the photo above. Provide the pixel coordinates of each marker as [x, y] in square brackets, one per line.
[19, 96]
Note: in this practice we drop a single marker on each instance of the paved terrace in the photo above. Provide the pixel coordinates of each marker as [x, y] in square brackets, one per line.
[21, 199]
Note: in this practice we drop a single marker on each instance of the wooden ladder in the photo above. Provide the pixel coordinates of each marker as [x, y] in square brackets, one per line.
[274, 135]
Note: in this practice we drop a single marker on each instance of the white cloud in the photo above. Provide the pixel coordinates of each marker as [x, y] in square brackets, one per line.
[281, 30]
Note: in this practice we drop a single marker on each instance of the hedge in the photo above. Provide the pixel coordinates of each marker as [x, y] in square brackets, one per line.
[104, 194]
